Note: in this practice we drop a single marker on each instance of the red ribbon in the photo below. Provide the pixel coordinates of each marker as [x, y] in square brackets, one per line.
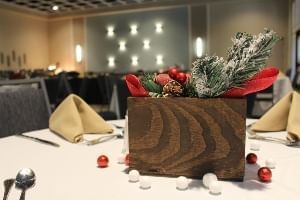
[135, 86]
[262, 80]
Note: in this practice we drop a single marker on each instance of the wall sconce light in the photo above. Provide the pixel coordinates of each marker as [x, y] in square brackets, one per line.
[78, 53]
[146, 44]
[158, 27]
[134, 60]
[133, 29]
[111, 62]
[110, 31]
[159, 59]
[199, 47]
[122, 45]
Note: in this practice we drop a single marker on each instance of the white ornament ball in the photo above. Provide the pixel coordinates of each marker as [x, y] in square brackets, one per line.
[270, 163]
[181, 183]
[134, 175]
[145, 182]
[254, 146]
[121, 158]
[215, 187]
[208, 179]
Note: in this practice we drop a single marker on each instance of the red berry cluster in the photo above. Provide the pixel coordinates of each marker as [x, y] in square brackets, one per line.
[264, 173]
[177, 75]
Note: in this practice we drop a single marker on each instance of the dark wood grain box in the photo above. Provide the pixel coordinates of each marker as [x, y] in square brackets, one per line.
[187, 136]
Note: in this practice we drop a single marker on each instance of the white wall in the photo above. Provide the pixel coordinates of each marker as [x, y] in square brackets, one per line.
[24, 34]
[229, 17]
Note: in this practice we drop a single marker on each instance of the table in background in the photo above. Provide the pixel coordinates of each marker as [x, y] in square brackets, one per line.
[71, 172]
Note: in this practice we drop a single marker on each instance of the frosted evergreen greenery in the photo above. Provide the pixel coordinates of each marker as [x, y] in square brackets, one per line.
[213, 76]
[150, 85]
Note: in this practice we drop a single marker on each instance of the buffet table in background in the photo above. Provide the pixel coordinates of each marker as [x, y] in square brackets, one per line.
[71, 172]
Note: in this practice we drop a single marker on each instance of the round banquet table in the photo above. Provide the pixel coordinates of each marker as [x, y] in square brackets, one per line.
[70, 172]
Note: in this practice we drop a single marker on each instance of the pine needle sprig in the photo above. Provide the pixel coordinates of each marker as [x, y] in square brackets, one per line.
[248, 55]
[208, 76]
[149, 84]
[189, 89]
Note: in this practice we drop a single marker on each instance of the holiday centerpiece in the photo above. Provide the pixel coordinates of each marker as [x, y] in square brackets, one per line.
[193, 123]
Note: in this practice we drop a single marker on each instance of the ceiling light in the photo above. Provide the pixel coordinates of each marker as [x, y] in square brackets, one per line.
[159, 59]
[110, 31]
[122, 45]
[55, 7]
[134, 60]
[146, 44]
[111, 61]
[158, 27]
[133, 29]
[199, 47]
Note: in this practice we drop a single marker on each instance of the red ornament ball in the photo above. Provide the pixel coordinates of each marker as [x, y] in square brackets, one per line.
[251, 158]
[102, 161]
[127, 160]
[181, 77]
[173, 72]
[264, 174]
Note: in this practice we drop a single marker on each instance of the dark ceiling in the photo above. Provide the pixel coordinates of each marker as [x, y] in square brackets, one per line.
[70, 6]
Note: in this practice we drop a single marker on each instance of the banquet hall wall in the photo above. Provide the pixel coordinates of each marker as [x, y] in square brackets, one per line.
[47, 41]
[27, 36]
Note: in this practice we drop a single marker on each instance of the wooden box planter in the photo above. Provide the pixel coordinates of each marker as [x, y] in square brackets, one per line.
[187, 136]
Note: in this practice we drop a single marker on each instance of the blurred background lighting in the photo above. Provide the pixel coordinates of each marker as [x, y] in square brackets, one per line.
[146, 44]
[78, 53]
[199, 47]
[133, 29]
[122, 45]
[134, 60]
[159, 59]
[111, 61]
[158, 27]
[110, 31]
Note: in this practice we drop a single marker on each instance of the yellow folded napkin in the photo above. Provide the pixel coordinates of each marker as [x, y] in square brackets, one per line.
[285, 115]
[73, 118]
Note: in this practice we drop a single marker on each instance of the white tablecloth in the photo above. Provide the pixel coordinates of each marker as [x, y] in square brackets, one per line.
[71, 172]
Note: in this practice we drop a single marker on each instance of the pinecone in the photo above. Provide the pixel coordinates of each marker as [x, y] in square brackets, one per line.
[172, 88]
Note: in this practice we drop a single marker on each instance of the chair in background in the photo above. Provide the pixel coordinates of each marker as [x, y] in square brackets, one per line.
[90, 91]
[105, 87]
[260, 102]
[75, 84]
[120, 92]
[24, 106]
[58, 88]
[296, 81]
[123, 94]
[93, 91]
